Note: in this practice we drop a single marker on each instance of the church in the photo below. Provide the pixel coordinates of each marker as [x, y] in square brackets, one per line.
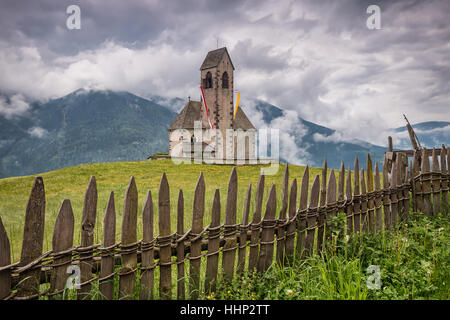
[212, 129]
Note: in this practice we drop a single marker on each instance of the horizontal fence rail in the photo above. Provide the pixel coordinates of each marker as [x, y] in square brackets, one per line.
[375, 201]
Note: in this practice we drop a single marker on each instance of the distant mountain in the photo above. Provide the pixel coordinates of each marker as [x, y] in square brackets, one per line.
[82, 127]
[317, 142]
[431, 134]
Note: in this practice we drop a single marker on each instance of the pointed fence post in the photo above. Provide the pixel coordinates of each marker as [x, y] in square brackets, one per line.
[436, 177]
[394, 198]
[87, 238]
[147, 250]
[417, 190]
[349, 205]
[212, 262]
[33, 239]
[364, 203]
[406, 187]
[426, 183]
[290, 232]
[164, 240]
[229, 248]
[106, 281]
[386, 196]
[268, 231]
[378, 201]
[331, 205]
[322, 211]
[62, 241]
[243, 232]
[302, 223]
[341, 197]
[370, 194]
[445, 173]
[196, 240]
[5, 260]
[399, 190]
[357, 199]
[255, 226]
[311, 216]
[181, 286]
[281, 228]
[128, 246]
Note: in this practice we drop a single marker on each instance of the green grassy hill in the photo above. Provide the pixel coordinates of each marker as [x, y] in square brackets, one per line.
[71, 182]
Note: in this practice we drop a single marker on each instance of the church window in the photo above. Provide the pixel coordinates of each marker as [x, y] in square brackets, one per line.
[225, 80]
[208, 81]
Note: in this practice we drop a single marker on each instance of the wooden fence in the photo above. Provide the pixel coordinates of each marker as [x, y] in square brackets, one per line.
[253, 245]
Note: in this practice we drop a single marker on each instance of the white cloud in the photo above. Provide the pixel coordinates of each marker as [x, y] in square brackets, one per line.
[16, 106]
[37, 132]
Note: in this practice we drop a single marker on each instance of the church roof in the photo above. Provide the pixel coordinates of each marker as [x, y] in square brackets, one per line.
[214, 57]
[193, 111]
[185, 119]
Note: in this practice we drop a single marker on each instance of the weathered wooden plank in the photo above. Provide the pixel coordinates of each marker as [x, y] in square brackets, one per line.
[394, 198]
[417, 187]
[196, 243]
[106, 285]
[331, 203]
[181, 285]
[302, 223]
[148, 262]
[268, 231]
[378, 201]
[399, 181]
[386, 197]
[87, 237]
[364, 204]
[426, 184]
[436, 183]
[322, 210]
[341, 197]
[406, 197]
[281, 230]
[290, 231]
[357, 199]
[212, 262]
[445, 171]
[62, 241]
[129, 238]
[165, 273]
[229, 248]
[33, 238]
[254, 227]
[5, 260]
[349, 206]
[243, 232]
[371, 195]
[312, 215]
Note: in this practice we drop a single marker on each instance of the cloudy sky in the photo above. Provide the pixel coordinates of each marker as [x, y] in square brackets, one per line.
[317, 59]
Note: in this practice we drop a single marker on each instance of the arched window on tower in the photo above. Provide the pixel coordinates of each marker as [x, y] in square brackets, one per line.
[225, 80]
[207, 82]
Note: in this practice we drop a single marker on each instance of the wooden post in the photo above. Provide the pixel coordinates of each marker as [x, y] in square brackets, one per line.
[349, 206]
[386, 196]
[229, 248]
[129, 242]
[196, 243]
[255, 225]
[371, 194]
[378, 201]
[406, 196]
[341, 196]
[331, 200]
[87, 238]
[62, 241]
[268, 230]
[357, 200]
[212, 262]
[148, 256]
[165, 250]
[394, 198]
[291, 228]
[417, 190]
[106, 282]
[5, 260]
[364, 212]
[302, 223]
[281, 229]
[33, 239]
[426, 183]
[399, 190]
[311, 216]
[322, 210]
[445, 171]
[436, 184]
[243, 232]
